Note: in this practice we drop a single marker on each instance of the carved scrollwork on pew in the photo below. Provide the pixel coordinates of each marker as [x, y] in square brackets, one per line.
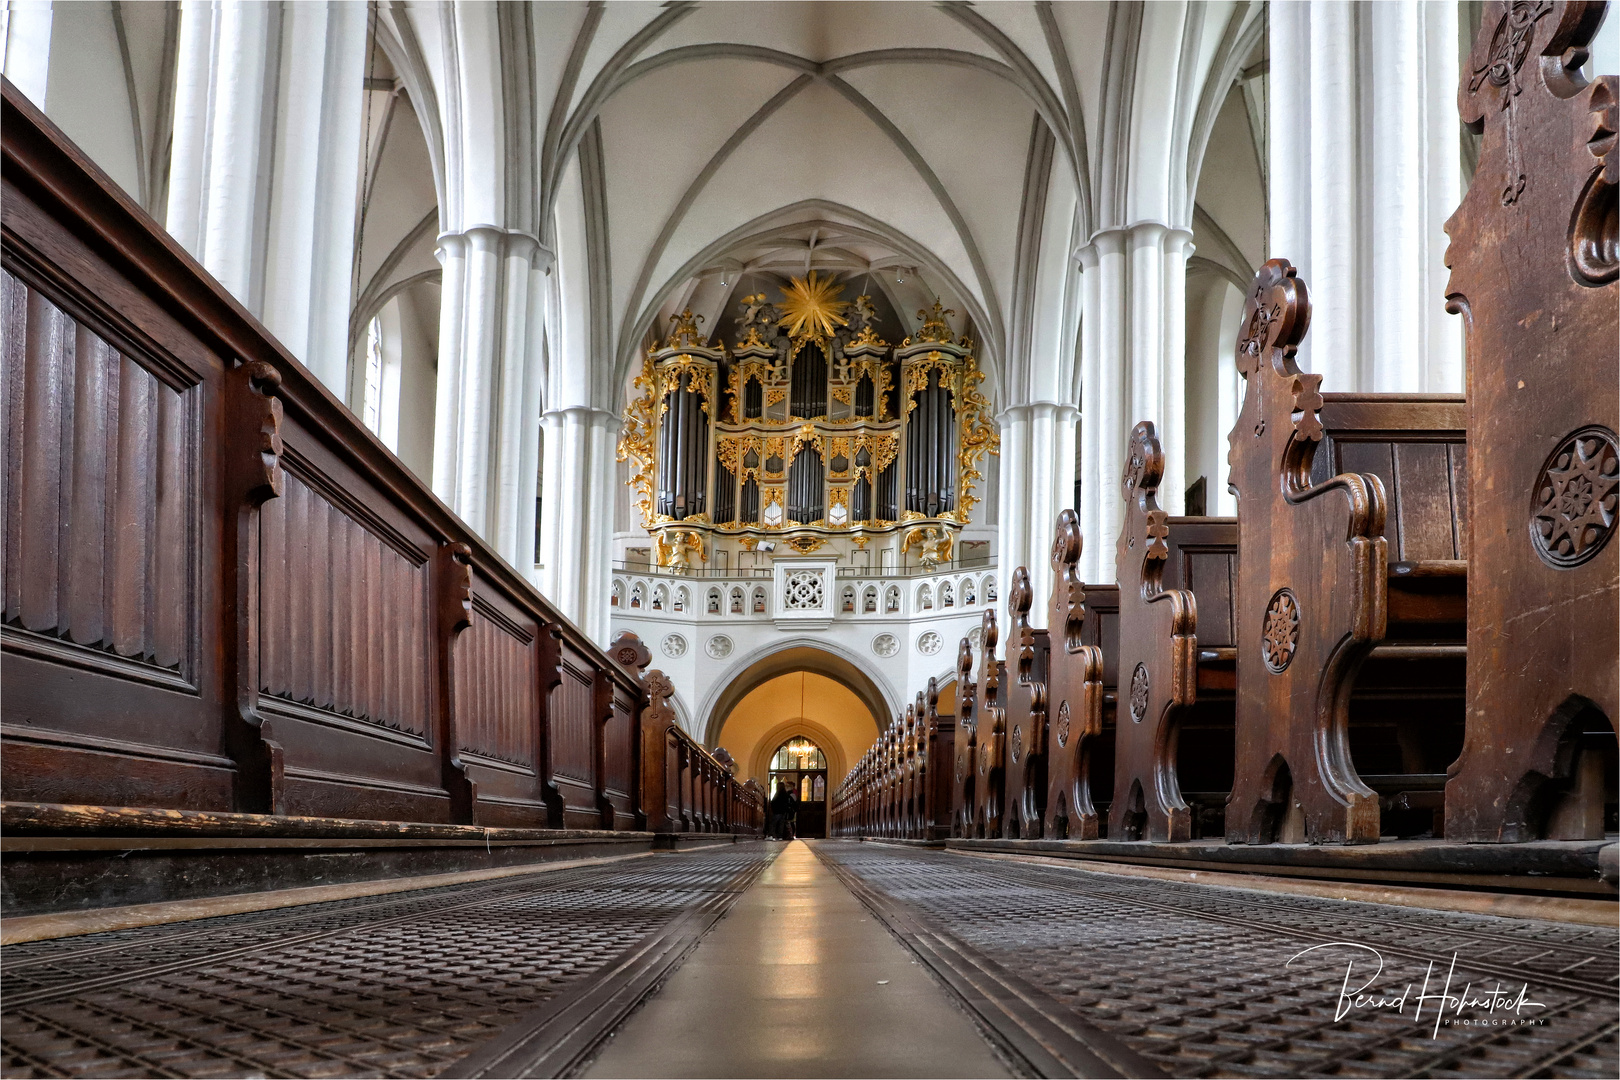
[1572, 508]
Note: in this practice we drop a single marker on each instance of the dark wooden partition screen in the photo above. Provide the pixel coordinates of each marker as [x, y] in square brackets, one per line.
[221, 592]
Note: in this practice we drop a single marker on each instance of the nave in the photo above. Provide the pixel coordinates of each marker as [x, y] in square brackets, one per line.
[834, 958]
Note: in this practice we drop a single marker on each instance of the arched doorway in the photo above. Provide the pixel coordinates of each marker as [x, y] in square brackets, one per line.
[800, 765]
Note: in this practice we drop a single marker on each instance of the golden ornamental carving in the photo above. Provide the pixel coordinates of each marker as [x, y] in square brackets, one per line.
[844, 395]
[757, 312]
[976, 434]
[804, 545]
[933, 543]
[775, 396]
[934, 326]
[700, 377]
[636, 440]
[811, 310]
[676, 547]
[684, 334]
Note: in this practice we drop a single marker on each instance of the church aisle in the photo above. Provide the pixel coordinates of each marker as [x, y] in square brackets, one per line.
[799, 979]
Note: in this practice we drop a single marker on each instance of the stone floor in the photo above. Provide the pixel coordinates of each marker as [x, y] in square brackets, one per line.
[830, 958]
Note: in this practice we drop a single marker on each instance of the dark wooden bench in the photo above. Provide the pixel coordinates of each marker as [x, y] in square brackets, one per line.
[965, 744]
[1534, 272]
[1025, 760]
[990, 713]
[1162, 664]
[1079, 620]
[1352, 526]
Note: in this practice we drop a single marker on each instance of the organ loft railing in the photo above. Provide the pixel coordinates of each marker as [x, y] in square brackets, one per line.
[810, 430]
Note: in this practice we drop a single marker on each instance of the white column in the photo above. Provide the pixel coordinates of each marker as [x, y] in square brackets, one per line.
[1364, 170]
[576, 526]
[309, 244]
[490, 369]
[235, 133]
[25, 36]
[265, 168]
[1037, 481]
[1133, 367]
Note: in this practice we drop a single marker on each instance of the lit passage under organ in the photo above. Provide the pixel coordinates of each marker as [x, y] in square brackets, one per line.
[809, 427]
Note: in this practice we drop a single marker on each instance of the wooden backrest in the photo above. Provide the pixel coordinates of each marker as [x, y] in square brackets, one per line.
[1203, 560]
[1417, 446]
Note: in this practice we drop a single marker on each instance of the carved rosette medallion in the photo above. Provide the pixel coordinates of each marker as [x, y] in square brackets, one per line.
[1281, 635]
[1017, 742]
[1572, 508]
[929, 643]
[1063, 723]
[1139, 693]
[674, 646]
[719, 647]
[885, 645]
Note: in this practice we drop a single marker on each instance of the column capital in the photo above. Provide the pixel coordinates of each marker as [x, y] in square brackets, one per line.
[506, 243]
[1114, 239]
[1057, 411]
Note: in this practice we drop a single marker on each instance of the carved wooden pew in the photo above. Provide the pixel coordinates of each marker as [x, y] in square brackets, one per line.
[1075, 691]
[989, 803]
[1329, 578]
[1534, 273]
[1160, 650]
[1026, 720]
[965, 746]
[941, 745]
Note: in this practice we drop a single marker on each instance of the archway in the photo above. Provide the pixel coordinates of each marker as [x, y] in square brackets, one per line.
[797, 693]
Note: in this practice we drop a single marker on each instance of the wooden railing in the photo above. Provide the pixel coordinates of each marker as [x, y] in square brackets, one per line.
[222, 593]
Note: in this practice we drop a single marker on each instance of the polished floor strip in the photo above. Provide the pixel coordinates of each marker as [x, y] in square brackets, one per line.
[799, 980]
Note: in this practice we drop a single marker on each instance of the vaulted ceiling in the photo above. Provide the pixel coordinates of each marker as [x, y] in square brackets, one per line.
[938, 147]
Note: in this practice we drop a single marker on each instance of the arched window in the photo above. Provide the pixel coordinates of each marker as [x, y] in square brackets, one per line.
[969, 597]
[989, 590]
[617, 599]
[869, 601]
[660, 598]
[891, 600]
[846, 600]
[947, 595]
[635, 596]
[925, 599]
[714, 602]
[736, 601]
[759, 600]
[682, 598]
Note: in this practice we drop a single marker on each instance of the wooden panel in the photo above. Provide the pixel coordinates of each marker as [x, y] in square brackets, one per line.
[497, 689]
[100, 501]
[344, 616]
[1211, 576]
[573, 747]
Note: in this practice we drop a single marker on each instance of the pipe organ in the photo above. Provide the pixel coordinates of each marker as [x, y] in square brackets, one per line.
[810, 427]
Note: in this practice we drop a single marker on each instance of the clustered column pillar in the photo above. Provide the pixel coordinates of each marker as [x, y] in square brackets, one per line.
[486, 447]
[1037, 481]
[576, 529]
[1133, 367]
[282, 80]
[1365, 167]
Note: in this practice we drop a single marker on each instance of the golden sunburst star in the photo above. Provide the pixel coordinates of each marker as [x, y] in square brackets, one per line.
[812, 308]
